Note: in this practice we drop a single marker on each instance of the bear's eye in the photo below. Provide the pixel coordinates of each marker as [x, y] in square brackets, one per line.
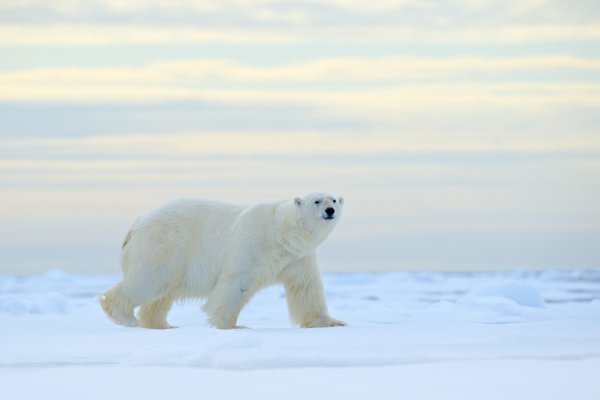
[335, 201]
[317, 202]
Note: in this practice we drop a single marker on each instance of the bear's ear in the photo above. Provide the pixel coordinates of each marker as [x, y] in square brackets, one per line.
[341, 200]
[298, 201]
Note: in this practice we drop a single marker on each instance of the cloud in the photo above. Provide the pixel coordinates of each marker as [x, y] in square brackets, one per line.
[378, 103]
[377, 85]
[151, 151]
[306, 13]
[448, 185]
[346, 69]
[115, 22]
[101, 35]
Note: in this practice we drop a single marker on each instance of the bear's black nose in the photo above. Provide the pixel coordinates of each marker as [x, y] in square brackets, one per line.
[329, 211]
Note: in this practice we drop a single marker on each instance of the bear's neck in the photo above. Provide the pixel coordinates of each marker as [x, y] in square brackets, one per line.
[292, 234]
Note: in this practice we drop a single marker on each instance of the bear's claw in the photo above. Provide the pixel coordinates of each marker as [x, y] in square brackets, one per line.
[326, 323]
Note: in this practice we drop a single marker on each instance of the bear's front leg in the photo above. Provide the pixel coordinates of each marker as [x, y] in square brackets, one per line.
[305, 294]
[226, 301]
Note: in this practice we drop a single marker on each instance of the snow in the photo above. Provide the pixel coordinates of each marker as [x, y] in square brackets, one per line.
[516, 292]
[426, 335]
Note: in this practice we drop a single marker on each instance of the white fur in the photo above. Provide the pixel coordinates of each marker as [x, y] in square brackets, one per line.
[224, 253]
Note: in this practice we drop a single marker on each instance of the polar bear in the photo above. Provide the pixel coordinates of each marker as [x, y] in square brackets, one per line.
[224, 253]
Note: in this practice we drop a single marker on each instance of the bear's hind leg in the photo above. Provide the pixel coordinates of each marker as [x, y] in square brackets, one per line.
[154, 315]
[118, 307]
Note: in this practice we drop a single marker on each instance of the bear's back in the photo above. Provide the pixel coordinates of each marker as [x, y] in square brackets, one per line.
[190, 214]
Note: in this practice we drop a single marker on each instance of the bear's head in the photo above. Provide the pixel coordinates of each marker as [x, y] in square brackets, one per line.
[319, 209]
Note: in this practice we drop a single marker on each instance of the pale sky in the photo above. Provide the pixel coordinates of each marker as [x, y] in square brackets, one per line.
[462, 134]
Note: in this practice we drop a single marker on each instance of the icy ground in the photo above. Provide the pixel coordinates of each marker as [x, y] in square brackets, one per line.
[519, 335]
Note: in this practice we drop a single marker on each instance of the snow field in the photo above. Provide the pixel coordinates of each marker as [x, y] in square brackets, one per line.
[520, 335]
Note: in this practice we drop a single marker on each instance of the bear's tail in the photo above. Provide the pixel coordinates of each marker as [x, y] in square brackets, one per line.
[127, 238]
